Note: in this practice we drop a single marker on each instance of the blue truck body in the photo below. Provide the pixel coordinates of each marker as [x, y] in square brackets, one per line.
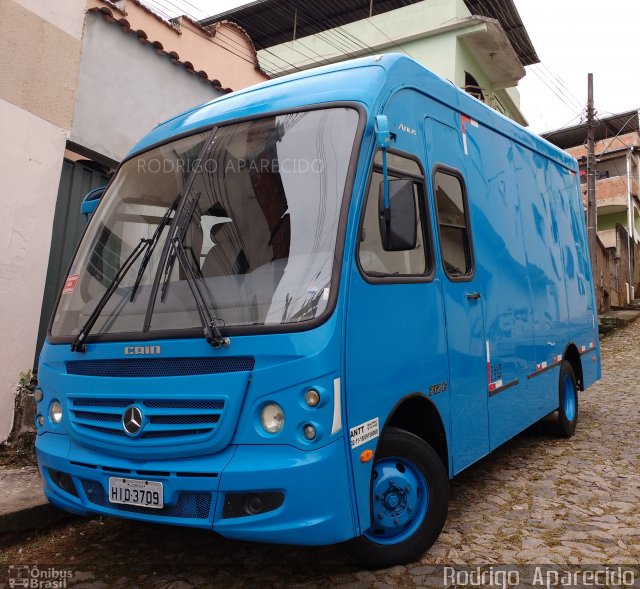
[474, 372]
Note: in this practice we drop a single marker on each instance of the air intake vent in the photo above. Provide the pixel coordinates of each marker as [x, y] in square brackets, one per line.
[150, 367]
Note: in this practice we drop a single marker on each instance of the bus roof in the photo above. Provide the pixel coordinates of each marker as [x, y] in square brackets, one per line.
[366, 80]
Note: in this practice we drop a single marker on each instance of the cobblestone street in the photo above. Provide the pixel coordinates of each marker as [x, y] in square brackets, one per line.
[538, 499]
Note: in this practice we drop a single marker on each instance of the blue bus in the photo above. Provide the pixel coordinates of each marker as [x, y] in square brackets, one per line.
[301, 308]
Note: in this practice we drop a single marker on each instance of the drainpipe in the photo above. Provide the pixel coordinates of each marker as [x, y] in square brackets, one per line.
[630, 236]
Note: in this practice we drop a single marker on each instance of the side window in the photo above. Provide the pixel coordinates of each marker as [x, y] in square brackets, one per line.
[453, 224]
[374, 260]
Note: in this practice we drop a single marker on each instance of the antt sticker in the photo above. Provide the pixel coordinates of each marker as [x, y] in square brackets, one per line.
[364, 432]
[70, 284]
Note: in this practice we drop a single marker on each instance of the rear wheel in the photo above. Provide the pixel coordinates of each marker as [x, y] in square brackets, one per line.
[409, 500]
[565, 426]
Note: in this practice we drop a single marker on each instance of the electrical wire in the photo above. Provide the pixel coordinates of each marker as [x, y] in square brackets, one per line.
[552, 88]
[552, 83]
[635, 115]
[155, 5]
[562, 83]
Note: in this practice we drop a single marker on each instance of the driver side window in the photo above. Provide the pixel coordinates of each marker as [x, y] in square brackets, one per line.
[374, 260]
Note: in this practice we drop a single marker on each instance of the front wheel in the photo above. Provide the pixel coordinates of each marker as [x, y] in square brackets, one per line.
[565, 426]
[409, 501]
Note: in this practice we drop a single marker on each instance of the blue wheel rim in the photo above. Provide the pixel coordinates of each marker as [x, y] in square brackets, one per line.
[569, 398]
[400, 500]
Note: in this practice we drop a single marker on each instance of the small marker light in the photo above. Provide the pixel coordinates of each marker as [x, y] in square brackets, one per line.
[40, 420]
[366, 455]
[38, 395]
[312, 397]
[309, 431]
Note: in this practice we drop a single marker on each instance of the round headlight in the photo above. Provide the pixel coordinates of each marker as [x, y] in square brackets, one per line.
[272, 418]
[312, 397]
[37, 395]
[55, 412]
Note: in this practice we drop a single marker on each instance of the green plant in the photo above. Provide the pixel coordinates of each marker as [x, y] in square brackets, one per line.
[27, 381]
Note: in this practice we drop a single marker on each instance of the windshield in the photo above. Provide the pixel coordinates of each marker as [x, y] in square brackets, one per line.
[257, 217]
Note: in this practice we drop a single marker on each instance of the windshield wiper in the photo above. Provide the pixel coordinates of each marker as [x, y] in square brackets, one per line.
[154, 241]
[181, 226]
[212, 331]
[144, 244]
[78, 342]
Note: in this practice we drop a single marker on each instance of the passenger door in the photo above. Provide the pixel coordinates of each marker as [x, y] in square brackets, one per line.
[462, 295]
[395, 325]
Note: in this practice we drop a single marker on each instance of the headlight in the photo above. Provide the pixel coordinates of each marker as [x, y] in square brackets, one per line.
[272, 418]
[38, 394]
[309, 431]
[55, 412]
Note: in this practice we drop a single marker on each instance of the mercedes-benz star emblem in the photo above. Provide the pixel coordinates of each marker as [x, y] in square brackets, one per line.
[132, 420]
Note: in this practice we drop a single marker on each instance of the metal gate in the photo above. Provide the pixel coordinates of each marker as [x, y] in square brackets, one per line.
[76, 180]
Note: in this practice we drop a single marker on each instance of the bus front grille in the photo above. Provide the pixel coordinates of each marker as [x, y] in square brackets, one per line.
[163, 420]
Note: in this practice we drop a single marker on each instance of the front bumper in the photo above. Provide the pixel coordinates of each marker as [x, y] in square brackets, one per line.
[316, 509]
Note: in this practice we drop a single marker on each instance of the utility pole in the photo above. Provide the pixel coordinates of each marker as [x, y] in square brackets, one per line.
[592, 213]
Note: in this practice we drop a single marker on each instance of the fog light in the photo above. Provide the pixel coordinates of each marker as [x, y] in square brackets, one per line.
[40, 420]
[312, 397]
[253, 505]
[55, 412]
[309, 431]
[272, 417]
[248, 504]
[37, 395]
[64, 481]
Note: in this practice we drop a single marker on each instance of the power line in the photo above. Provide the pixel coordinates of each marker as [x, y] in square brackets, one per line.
[559, 96]
[562, 83]
[635, 115]
[558, 87]
[154, 4]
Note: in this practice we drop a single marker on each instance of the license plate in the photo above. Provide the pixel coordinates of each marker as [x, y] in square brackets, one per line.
[136, 492]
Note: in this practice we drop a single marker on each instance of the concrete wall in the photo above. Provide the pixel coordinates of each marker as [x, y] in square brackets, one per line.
[127, 89]
[602, 278]
[40, 45]
[612, 278]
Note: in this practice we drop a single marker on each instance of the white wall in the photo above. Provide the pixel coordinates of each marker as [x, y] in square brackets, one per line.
[30, 165]
[66, 15]
[126, 89]
[40, 43]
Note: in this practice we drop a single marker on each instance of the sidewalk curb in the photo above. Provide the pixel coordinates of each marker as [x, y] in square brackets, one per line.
[32, 517]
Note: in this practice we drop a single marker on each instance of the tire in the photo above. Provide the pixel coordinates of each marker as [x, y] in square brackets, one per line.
[409, 502]
[565, 426]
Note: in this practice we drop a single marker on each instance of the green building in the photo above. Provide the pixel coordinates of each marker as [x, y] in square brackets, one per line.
[479, 45]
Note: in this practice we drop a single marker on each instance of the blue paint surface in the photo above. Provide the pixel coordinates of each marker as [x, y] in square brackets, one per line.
[384, 341]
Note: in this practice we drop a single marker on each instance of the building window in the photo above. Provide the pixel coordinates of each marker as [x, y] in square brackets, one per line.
[471, 86]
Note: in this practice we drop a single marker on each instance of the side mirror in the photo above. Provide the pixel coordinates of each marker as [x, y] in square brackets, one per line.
[90, 202]
[398, 220]
[381, 129]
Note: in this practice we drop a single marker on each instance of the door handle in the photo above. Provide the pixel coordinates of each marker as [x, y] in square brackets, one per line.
[473, 296]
